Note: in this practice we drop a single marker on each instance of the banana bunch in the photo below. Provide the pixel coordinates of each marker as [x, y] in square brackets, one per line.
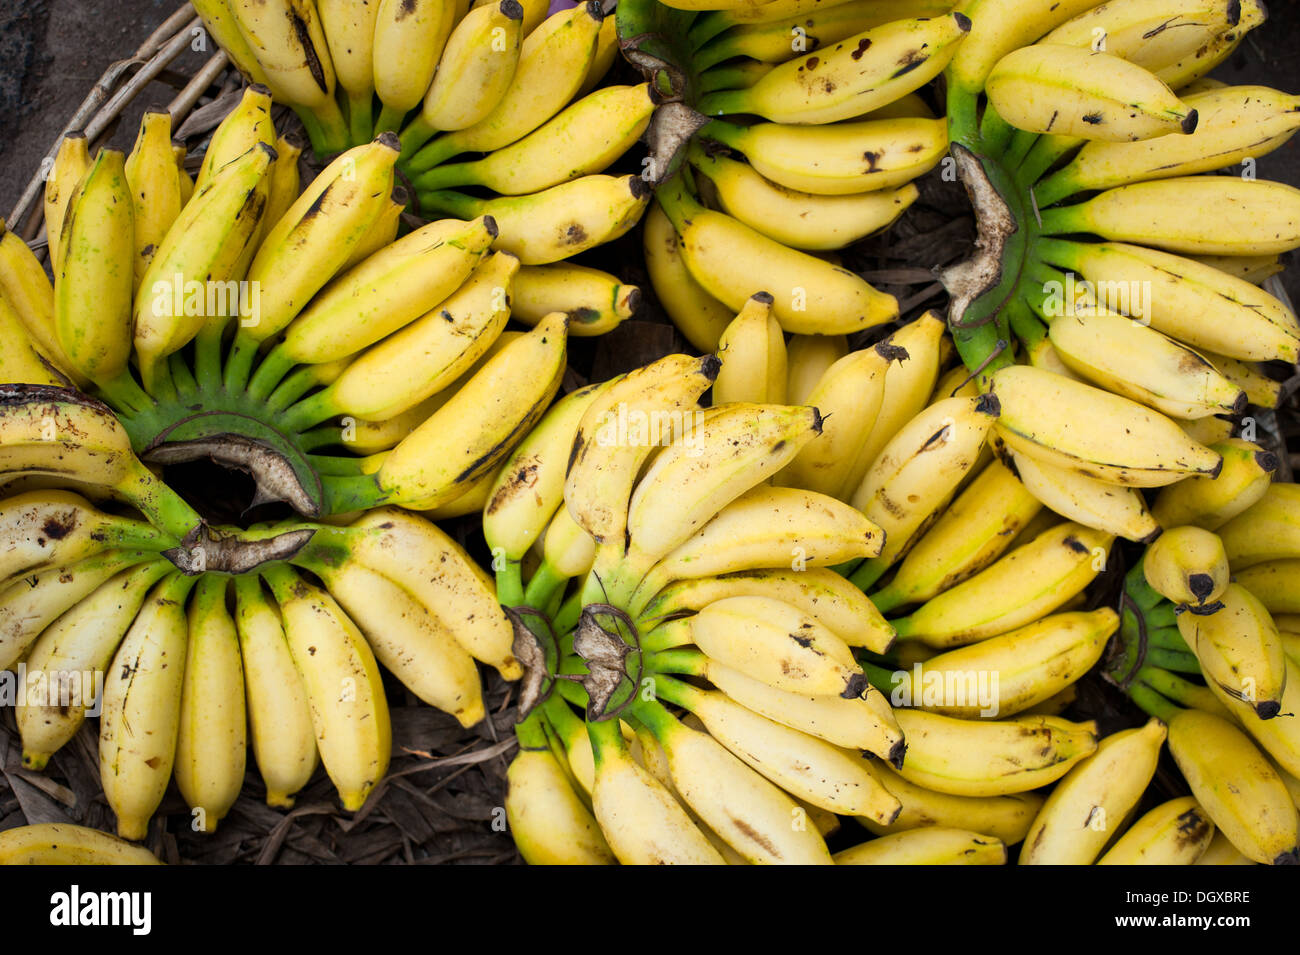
[1082, 132]
[494, 95]
[840, 136]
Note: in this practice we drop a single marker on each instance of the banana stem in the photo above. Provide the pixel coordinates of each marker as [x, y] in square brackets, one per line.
[310, 411]
[289, 393]
[543, 586]
[652, 715]
[1174, 660]
[430, 155]
[157, 380]
[567, 617]
[207, 356]
[333, 127]
[361, 116]
[390, 119]
[1063, 219]
[888, 598]
[884, 680]
[666, 637]
[182, 376]
[868, 572]
[1022, 141]
[320, 438]
[161, 506]
[962, 109]
[510, 585]
[1188, 694]
[341, 494]
[239, 362]
[995, 133]
[1167, 638]
[1046, 153]
[414, 136]
[269, 374]
[531, 733]
[677, 660]
[705, 28]
[451, 176]
[125, 394]
[1152, 703]
[606, 738]
[448, 202]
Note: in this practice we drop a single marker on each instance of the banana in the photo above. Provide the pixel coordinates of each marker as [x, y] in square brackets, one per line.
[1005, 817]
[470, 434]
[154, 181]
[1255, 269]
[603, 57]
[800, 220]
[731, 261]
[408, 639]
[848, 395]
[1177, 832]
[476, 68]
[595, 301]
[1207, 56]
[1267, 530]
[808, 357]
[248, 124]
[1210, 502]
[750, 814]
[1250, 377]
[93, 291]
[582, 140]
[408, 41]
[348, 709]
[969, 535]
[707, 466]
[529, 491]
[414, 554]
[279, 713]
[548, 821]
[1134, 360]
[553, 62]
[990, 757]
[349, 27]
[1105, 507]
[917, 472]
[1236, 785]
[933, 845]
[1017, 589]
[71, 163]
[211, 740]
[803, 765]
[75, 648]
[288, 42]
[568, 549]
[185, 180]
[29, 294]
[1000, 26]
[1233, 216]
[1079, 816]
[757, 637]
[1220, 851]
[141, 713]
[283, 182]
[752, 349]
[1188, 566]
[1067, 91]
[641, 821]
[697, 314]
[1026, 666]
[837, 159]
[1041, 414]
[1198, 305]
[1239, 649]
[207, 248]
[817, 591]
[620, 429]
[53, 843]
[22, 361]
[1277, 735]
[1276, 584]
[384, 293]
[853, 77]
[558, 222]
[1152, 34]
[316, 235]
[429, 353]
[1233, 123]
[768, 527]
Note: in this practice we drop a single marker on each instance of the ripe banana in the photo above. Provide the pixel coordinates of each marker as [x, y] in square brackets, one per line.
[1188, 566]
[53, 843]
[71, 163]
[807, 358]
[933, 845]
[548, 821]
[1267, 530]
[595, 301]
[154, 181]
[476, 68]
[1210, 502]
[1239, 650]
[697, 314]
[1177, 832]
[752, 350]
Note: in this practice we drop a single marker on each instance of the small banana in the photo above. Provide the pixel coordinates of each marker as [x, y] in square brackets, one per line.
[71, 163]
[154, 180]
[1267, 530]
[53, 843]
[1188, 566]
[1177, 832]
[1239, 650]
[548, 821]
[595, 301]
[933, 845]
[697, 314]
[1210, 502]
[752, 350]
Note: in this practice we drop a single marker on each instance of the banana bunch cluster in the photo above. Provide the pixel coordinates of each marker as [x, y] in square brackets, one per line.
[502, 89]
[1087, 135]
[288, 332]
[1205, 648]
[181, 632]
[840, 134]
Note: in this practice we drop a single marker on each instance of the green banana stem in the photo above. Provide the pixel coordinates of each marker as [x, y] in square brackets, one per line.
[882, 678]
[1174, 660]
[310, 411]
[704, 29]
[652, 715]
[361, 117]
[124, 393]
[1042, 156]
[1022, 141]
[1152, 703]
[239, 362]
[542, 587]
[318, 438]
[995, 134]
[390, 119]
[868, 572]
[341, 494]
[437, 151]
[677, 660]
[290, 391]
[207, 356]
[186, 386]
[567, 617]
[448, 202]
[1183, 692]
[269, 373]
[510, 585]
[531, 732]
[963, 111]
[414, 136]
[161, 506]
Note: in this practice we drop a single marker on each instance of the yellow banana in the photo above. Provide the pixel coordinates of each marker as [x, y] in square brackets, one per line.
[1017, 589]
[71, 163]
[1210, 502]
[27, 290]
[22, 360]
[141, 713]
[1239, 650]
[348, 709]
[932, 845]
[548, 821]
[1267, 530]
[54, 843]
[349, 27]
[408, 42]
[1177, 832]
[211, 740]
[1188, 566]
[279, 713]
[807, 358]
[1111, 508]
[752, 349]
[697, 314]
[1094, 797]
[154, 180]
[1276, 584]
[1000, 26]
[595, 301]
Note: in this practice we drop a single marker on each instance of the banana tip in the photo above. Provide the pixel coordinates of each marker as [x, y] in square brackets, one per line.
[897, 753]
[1189, 122]
[389, 138]
[1267, 709]
[511, 9]
[710, 365]
[962, 21]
